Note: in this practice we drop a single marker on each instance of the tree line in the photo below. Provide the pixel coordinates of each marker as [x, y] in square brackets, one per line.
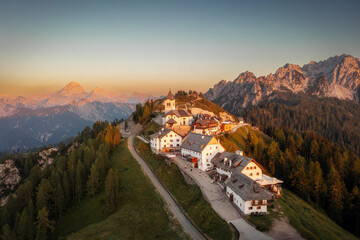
[325, 174]
[82, 168]
[335, 119]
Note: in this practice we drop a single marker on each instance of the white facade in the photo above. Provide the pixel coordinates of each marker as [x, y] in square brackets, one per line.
[253, 171]
[179, 120]
[169, 105]
[204, 157]
[247, 207]
[170, 140]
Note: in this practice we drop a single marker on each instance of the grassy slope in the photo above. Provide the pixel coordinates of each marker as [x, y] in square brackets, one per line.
[309, 222]
[149, 129]
[235, 141]
[189, 197]
[140, 214]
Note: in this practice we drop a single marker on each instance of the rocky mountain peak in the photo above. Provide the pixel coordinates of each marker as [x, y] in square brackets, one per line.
[338, 76]
[72, 88]
[245, 77]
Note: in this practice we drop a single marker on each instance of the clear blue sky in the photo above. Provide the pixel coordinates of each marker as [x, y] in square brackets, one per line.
[150, 46]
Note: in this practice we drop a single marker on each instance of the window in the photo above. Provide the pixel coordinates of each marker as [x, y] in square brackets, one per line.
[259, 207]
[171, 145]
[250, 208]
[257, 174]
[210, 148]
[177, 145]
[170, 135]
[164, 146]
[250, 174]
[216, 147]
[164, 140]
[247, 168]
[207, 154]
[171, 140]
[177, 140]
[250, 168]
[255, 167]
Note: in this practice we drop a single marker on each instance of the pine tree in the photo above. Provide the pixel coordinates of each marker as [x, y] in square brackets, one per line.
[31, 214]
[8, 233]
[112, 189]
[43, 224]
[44, 194]
[59, 199]
[335, 194]
[109, 136]
[79, 180]
[117, 136]
[66, 188]
[315, 180]
[93, 181]
[298, 177]
[23, 225]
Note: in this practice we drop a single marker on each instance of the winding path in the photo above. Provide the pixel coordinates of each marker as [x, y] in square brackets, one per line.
[175, 209]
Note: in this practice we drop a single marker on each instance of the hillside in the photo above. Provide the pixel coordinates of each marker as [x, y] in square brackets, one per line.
[337, 120]
[305, 215]
[93, 189]
[337, 76]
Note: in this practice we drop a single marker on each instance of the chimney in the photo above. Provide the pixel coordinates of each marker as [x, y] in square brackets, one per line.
[230, 163]
[240, 153]
[225, 160]
[202, 137]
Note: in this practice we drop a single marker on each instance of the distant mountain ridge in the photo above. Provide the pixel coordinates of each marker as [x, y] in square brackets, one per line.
[48, 119]
[337, 76]
[72, 94]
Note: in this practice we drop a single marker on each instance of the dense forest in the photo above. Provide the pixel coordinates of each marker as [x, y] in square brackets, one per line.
[323, 173]
[45, 193]
[337, 120]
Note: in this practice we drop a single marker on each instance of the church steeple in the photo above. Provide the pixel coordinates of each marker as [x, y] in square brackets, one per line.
[170, 96]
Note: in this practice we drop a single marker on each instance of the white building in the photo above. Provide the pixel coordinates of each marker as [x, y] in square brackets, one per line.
[165, 140]
[246, 194]
[228, 163]
[169, 102]
[177, 117]
[202, 147]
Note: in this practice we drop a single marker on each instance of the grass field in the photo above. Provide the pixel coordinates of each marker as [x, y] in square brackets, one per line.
[188, 196]
[141, 213]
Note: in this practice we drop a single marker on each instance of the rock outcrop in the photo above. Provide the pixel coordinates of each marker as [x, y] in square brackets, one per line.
[9, 178]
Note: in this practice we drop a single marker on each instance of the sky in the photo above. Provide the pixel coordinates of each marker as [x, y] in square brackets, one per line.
[151, 46]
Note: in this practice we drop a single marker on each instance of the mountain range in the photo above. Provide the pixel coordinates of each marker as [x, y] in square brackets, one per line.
[31, 122]
[72, 94]
[338, 77]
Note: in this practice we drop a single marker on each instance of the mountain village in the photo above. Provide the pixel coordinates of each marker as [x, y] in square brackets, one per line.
[191, 140]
